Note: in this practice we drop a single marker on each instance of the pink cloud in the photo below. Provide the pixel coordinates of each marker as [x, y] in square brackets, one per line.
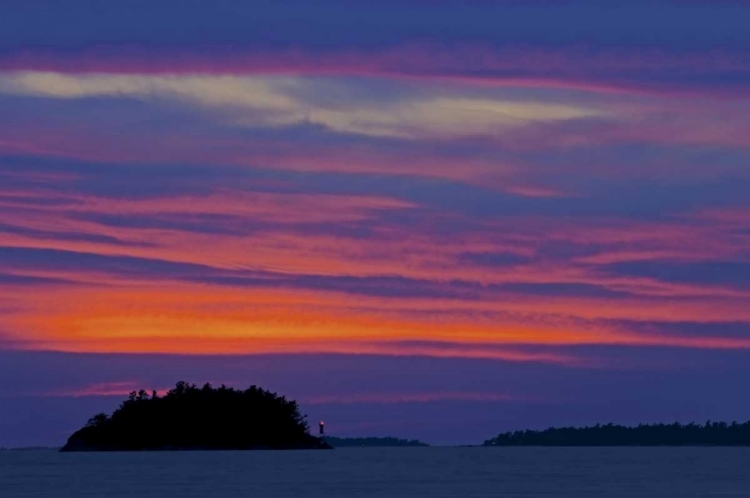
[121, 389]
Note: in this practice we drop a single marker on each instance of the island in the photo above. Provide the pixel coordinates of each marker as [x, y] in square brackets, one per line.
[189, 417]
[372, 442]
[708, 434]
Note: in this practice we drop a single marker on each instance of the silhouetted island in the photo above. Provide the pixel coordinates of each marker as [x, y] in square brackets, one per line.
[371, 442]
[193, 418]
[709, 434]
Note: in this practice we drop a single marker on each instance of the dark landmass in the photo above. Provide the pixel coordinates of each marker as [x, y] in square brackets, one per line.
[193, 418]
[371, 442]
[709, 434]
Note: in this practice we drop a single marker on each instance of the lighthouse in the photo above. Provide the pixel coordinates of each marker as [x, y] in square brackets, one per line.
[322, 428]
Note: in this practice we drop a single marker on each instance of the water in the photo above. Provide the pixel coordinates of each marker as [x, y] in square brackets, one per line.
[387, 472]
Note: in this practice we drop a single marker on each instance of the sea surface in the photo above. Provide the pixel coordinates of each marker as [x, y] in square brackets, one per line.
[382, 472]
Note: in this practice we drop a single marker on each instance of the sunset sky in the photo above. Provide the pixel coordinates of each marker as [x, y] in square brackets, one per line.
[436, 219]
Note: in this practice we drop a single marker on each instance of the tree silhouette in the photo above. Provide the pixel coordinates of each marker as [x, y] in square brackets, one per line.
[189, 417]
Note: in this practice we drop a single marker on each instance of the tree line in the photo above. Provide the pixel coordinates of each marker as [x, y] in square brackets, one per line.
[676, 434]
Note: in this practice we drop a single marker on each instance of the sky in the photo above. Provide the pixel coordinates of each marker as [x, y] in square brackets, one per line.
[435, 219]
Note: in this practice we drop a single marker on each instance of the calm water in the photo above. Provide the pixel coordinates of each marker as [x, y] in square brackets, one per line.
[407, 472]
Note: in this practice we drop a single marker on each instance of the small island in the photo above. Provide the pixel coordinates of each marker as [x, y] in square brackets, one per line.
[372, 442]
[189, 417]
[708, 434]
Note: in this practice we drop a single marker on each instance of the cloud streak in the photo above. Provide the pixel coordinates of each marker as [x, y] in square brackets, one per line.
[271, 102]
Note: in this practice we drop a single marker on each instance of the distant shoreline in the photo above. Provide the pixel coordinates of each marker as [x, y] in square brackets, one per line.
[373, 442]
[716, 434]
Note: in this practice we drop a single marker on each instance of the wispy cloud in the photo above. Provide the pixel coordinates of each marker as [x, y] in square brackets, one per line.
[118, 389]
[279, 101]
